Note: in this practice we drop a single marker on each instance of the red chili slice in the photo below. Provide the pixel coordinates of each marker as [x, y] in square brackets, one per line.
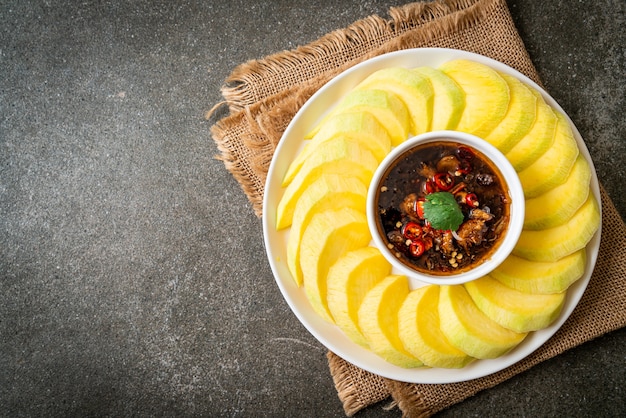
[429, 186]
[419, 207]
[417, 248]
[471, 200]
[444, 181]
[411, 230]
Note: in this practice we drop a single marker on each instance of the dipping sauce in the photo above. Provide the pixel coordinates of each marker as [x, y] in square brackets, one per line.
[461, 176]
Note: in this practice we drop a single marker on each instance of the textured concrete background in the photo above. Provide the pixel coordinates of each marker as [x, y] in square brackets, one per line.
[133, 277]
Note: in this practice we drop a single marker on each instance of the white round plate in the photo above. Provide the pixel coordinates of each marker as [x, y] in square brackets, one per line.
[276, 241]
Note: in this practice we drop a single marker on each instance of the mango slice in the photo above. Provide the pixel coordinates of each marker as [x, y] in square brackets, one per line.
[361, 128]
[537, 277]
[330, 191]
[552, 244]
[418, 325]
[558, 205]
[412, 88]
[378, 319]
[486, 95]
[386, 107]
[349, 280]
[555, 164]
[330, 234]
[469, 329]
[519, 117]
[539, 138]
[448, 99]
[341, 157]
[512, 309]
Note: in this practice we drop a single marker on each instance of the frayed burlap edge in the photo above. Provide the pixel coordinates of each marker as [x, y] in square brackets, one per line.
[247, 141]
[256, 80]
[356, 388]
[247, 138]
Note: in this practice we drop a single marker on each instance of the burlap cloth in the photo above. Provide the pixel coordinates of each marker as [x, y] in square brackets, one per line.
[263, 96]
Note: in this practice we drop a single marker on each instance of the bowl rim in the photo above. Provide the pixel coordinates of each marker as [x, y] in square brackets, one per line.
[516, 218]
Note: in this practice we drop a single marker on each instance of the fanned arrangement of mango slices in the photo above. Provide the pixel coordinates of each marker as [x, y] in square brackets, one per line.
[350, 284]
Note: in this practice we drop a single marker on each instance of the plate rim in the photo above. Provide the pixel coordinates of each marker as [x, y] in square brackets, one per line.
[328, 334]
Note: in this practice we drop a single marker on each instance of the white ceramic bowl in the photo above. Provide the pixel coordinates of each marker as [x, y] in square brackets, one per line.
[516, 218]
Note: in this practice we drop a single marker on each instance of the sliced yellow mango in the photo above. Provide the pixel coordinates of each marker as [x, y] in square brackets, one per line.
[541, 277]
[537, 140]
[448, 99]
[378, 320]
[518, 311]
[558, 205]
[418, 325]
[330, 191]
[469, 329]
[349, 280]
[519, 117]
[554, 165]
[486, 95]
[329, 235]
[385, 106]
[341, 157]
[412, 88]
[359, 127]
[552, 244]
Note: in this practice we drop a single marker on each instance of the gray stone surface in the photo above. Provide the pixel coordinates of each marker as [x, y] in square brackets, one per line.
[133, 277]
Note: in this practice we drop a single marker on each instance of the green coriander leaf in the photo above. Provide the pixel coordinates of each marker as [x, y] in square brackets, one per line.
[442, 211]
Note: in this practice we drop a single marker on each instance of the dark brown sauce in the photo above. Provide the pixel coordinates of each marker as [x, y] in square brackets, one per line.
[457, 169]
